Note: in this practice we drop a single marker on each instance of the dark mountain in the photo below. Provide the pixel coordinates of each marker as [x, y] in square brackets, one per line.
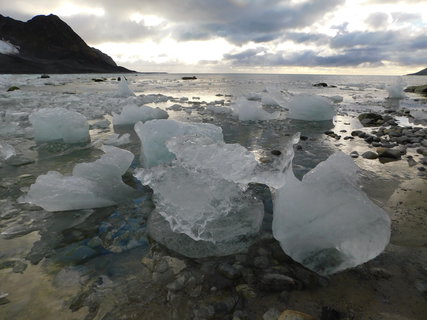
[47, 44]
[419, 73]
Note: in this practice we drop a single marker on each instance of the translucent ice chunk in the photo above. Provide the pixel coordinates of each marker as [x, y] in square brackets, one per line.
[247, 110]
[92, 185]
[231, 162]
[201, 205]
[310, 108]
[6, 151]
[124, 91]
[395, 91]
[51, 124]
[131, 114]
[325, 221]
[154, 134]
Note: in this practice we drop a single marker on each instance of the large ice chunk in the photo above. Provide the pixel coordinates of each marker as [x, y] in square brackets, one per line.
[131, 114]
[231, 162]
[310, 108]
[247, 110]
[195, 203]
[92, 185]
[53, 124]
[154, 134]
[325, 221]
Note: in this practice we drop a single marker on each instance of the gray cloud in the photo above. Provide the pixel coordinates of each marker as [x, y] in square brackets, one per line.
[377, 20]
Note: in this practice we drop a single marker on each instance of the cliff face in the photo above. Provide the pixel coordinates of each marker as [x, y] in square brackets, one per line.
[419, 73]
[46, 44]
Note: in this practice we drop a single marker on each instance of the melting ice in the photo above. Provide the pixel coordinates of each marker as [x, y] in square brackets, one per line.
[91, 185]
[154, 134]
[131, 114]
[325, 221]
[53, 124]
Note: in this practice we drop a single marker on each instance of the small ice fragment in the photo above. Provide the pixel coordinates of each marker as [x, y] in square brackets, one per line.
[154, 134]
[92, 185]
[53, 124]
[124, 91]
[325, 221]
[6, 151]
[131, 114]
[248, 110]
[395, 91]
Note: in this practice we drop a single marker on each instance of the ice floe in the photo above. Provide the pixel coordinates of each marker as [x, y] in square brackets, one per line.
[91, 185]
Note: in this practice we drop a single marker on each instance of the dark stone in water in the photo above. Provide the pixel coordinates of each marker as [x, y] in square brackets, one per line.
[276, 152]
[320, 84]
[329, 313]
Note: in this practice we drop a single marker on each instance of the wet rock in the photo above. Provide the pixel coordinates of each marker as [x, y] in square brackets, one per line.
[411, 161]
[295, 315]
[392, 154]
[370, 155]
[320, 84]
[370, 119]
[276, 152]
[175, 264]
[271, 314]
[332, 135]
[261, 262]
[354, 154]
[356, 133]
[422, 151]
[246, 291]
[3, 298]
[13, 88]
[275, 282]
[380, 273]
[348, 138]
[44, 76]
[228, 271]
[177, 284]
[19, 267]
[18, 161]
[417, 89]
[329, 313]
[421, 169]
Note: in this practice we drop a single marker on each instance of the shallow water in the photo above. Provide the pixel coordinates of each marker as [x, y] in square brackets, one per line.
[47, 258]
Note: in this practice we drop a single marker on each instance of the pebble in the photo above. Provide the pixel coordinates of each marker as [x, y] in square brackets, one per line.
[246, 291]
[228, 271]
[370, 155]
[271, 314]
[295, 315]
[274, 282]
[354, 154]
[261, 262]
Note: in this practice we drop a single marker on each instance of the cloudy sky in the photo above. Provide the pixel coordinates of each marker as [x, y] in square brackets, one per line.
[270, 36]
